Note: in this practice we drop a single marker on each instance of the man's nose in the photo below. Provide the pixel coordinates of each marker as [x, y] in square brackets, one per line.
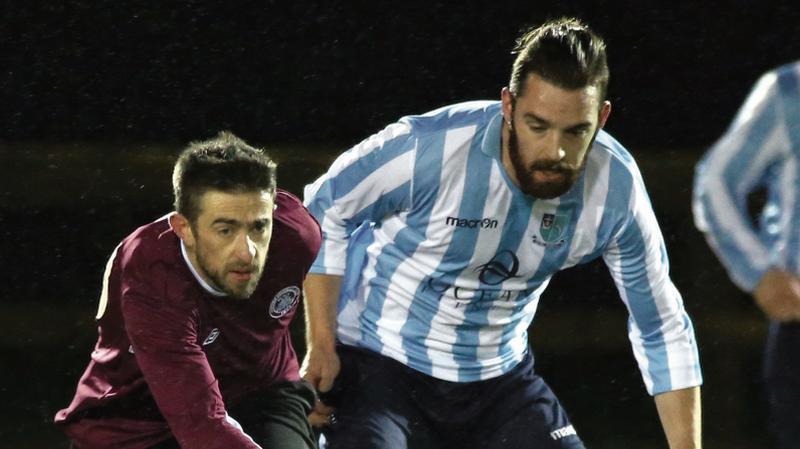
[554, 148]
[245, 248]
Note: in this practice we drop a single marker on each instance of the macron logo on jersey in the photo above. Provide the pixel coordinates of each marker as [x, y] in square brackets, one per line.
[563, 432]
[483, 223]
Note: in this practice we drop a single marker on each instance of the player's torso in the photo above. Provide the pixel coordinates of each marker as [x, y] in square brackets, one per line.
[250, 337]
[477, 242]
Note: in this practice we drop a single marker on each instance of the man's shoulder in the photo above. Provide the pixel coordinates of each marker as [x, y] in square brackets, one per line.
[151, 244]
[149, 264]
[294, 225]
[471, 113]
[607, 147]
[612, 164]
[787, 77]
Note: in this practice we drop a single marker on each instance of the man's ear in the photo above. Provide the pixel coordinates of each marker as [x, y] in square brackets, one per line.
[605, 111]
[182, 228]
[507, 99]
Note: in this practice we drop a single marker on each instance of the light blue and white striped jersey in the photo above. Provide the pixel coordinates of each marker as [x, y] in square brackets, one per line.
[444, 258]
[760, 149]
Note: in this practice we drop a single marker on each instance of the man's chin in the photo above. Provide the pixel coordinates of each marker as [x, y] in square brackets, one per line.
[241, 293]
[547, 191]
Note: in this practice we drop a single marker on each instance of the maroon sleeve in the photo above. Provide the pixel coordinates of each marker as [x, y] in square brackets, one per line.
[162, 327]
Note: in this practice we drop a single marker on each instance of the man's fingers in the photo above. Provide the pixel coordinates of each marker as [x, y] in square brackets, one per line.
[319, 419]
[325, 384]
[322, 409]
[311, 378]
[320, 415]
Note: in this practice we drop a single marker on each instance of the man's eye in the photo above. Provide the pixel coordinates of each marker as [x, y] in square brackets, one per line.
[224, 231]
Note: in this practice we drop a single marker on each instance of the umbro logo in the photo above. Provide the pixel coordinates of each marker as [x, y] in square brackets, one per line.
[483, 223]
[211, 336]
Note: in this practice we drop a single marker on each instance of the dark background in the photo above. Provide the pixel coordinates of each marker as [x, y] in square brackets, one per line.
[97, 97]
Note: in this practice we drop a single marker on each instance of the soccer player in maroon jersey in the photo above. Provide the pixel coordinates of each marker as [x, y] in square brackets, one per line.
[194, 349]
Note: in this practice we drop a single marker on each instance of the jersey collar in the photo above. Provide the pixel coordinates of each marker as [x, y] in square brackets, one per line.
[490, 145]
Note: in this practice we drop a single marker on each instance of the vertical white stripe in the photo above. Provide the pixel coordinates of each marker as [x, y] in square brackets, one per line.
[103, 303]
[429, 253]
[531, 256]
[595, 191]
[349, 323]
[789, 206]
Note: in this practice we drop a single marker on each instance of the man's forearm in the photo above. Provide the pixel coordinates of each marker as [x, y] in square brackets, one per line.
[680, 415]
[322, 295]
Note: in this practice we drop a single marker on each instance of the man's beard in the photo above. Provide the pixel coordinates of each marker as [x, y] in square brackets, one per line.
[240, 291]
[525, 175]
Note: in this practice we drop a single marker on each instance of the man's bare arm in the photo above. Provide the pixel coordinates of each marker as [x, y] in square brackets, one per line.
[680, 415]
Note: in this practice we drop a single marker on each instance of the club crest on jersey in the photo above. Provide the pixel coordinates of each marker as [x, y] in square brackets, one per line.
[284, 301]
[551, 230]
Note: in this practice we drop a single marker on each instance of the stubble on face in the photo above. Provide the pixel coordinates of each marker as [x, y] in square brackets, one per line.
[237, 290]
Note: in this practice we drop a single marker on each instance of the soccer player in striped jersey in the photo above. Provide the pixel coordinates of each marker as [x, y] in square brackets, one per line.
[440, 234]
[194, 349]
[760, 150]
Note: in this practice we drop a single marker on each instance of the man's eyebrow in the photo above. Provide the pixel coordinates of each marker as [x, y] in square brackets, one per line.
[579, 126]
[528, 116]
[228, 221]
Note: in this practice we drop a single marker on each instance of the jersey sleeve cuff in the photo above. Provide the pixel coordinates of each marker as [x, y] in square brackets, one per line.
[320, 269]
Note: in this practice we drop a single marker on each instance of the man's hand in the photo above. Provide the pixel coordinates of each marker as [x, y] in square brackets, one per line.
[778, 295]
[320, 368]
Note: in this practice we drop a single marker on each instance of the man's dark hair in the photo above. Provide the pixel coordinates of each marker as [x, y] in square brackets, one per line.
[225, 163]
[564, 52]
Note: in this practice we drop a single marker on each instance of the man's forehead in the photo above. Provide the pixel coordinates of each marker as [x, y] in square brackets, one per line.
[238, 206]
[543, 100]
[536, 87]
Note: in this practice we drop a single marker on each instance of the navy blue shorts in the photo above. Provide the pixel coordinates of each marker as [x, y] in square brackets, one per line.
[782, 381]
[382, 404]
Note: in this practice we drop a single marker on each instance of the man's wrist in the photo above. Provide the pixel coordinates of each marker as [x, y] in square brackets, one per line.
[325, 343]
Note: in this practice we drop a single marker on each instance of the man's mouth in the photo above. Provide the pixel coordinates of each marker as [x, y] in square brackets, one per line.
[549, 175]
[241, 275]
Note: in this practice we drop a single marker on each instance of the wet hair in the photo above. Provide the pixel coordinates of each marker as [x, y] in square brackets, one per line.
[225, 163]
[564, 52]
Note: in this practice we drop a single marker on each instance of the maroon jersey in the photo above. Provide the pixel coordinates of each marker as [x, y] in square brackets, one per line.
[171, 354]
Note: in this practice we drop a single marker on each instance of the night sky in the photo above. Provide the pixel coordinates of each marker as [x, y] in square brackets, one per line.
[336, 71]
